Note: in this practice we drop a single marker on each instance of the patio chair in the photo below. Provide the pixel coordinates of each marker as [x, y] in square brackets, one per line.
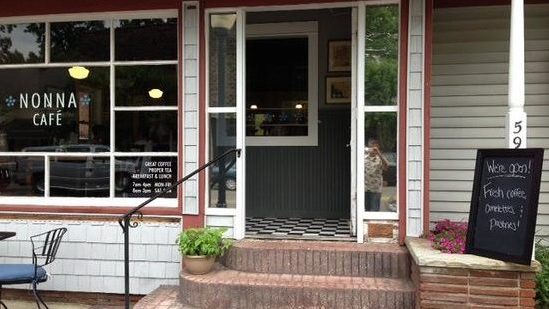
[44, 249]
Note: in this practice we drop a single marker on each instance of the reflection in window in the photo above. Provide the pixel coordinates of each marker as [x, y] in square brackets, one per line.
[222, 60]
[380, 162]
[45, 107]
[144, 176]
[80, 41]
[21, 176]
[133, 84]
[381, 80]
[22, 43]
[146, 131]
[276, 90]
[79, 176]
[222, 176]
[146, 39]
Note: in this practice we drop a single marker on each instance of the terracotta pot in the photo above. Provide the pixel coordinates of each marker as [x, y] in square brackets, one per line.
[198, 264]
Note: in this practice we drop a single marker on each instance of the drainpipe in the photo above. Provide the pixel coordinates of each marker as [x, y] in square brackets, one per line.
[516, 117]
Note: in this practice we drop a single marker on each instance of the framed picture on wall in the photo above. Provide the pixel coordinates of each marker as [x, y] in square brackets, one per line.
[338, 90]
[339, 56]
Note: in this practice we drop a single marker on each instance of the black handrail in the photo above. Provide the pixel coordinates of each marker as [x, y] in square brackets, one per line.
[126, 222]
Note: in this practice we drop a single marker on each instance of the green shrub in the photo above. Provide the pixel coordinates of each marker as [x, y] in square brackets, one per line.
[542, 278]
[203, 241]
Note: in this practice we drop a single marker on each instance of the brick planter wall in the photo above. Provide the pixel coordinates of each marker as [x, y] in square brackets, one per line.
[466, 281]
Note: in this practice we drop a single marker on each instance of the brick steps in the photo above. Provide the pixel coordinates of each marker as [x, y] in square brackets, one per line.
[304, 274]
[227, 288]
[319, 258]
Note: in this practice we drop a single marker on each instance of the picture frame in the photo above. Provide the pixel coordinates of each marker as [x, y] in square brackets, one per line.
[338, 90]
[339, 56]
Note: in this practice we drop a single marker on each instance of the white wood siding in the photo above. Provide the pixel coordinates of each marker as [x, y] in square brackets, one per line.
[91, 255]
[414, 131]
[190, 103]
[469, 99]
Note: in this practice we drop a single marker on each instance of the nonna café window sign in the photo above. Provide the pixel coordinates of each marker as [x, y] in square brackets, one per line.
[48, 106]
[100, 134]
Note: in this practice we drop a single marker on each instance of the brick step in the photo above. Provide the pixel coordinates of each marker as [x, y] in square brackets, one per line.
[227, 288]
[319, 258]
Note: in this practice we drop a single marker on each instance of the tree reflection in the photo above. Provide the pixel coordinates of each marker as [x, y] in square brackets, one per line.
[14, 49]
[381, 55]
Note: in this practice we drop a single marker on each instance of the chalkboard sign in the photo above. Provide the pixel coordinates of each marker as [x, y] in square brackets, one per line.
[504, 204]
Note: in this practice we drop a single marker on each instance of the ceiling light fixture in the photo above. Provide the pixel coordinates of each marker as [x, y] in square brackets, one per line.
[155, 93]
[78, 72]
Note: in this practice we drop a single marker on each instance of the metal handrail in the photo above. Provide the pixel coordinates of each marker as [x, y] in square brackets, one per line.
[126, 222]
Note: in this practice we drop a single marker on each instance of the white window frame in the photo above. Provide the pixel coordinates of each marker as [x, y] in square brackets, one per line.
[307, 30]
[239, 212]
[113, 201]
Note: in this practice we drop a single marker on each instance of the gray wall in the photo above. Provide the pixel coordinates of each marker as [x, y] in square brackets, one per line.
[469, 100]
[306, 181]
[303, 181]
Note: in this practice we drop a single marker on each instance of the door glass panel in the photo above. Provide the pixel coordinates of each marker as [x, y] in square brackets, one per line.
[222, 175]
[276, 90]
[380, 162]
[381, 59]
[222, 60]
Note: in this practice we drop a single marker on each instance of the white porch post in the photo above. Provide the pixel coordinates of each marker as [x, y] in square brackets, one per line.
[516, 117]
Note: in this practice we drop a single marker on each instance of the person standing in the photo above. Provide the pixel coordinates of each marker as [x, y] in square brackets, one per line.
[375, 164]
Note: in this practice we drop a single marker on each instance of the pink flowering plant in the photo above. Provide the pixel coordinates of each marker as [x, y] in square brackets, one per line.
[449, 236]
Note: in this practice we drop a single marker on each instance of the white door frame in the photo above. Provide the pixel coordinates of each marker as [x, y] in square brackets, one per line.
[357, 114]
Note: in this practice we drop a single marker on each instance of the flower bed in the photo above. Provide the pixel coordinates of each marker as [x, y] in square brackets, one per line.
[449, 237]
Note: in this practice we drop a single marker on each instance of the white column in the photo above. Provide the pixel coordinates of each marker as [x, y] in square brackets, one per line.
[516, 117]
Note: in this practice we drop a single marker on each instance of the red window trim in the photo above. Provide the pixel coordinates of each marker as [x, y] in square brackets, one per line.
[33, 7]
[403, 107]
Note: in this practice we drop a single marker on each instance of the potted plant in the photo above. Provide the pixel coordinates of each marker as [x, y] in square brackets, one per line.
[200, 247]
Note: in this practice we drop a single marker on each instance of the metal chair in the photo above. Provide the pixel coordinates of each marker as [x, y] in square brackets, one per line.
[44, 249]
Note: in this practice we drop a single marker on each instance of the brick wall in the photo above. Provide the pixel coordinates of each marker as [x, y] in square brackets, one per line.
[468, 288]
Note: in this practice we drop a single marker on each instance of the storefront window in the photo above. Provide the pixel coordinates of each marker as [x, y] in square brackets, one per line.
[146, 131]
[135, 85]
[75, 141]
[21, 176]
[80, 41]
[22, 43]
[45, 107]
[145, 39]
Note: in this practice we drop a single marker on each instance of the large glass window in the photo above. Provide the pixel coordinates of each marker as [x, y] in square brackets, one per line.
[93, 112]
[22, 43]
[381, 108]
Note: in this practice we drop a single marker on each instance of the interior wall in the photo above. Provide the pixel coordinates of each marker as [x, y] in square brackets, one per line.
[306, 181]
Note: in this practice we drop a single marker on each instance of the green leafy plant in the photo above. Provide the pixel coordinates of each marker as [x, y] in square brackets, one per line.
[542, 278]
[203, 241]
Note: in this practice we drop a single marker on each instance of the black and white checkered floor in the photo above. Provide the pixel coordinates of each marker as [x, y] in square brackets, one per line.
[297, 227]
